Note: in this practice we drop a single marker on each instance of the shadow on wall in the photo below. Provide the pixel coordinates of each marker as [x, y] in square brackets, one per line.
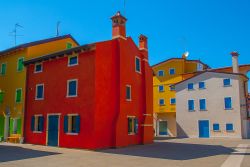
[13, 153]
[180, 132]
[172, 151]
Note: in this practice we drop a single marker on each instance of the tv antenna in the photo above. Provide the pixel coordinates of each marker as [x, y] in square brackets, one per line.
[58, 28]
[14, 32]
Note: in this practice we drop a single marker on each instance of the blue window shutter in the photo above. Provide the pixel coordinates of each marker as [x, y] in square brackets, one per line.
[41, 121]
[136, 126]
[65, 124]
[32, 123]
[78, 124]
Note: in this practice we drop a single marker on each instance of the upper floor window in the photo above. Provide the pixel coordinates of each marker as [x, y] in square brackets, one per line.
[128, 93]
[172, 87]
[72, 88]
[133, 125]
[38, 68]
[20, 65]
[229, 127]
[227, 82]
[228, 103]
[171, 71]
[72, 123]
[216, 127]
[137, 64]
[37, 123]
[202, 85]
[72, 60]
[39, 92]
[18, 95]
[161, 88]
[199, 67]
[161, 73]
[1, 97]
[3, 69]
[190, 86]
[191, 105]
[161, 102]
[68, 45]
[203, 105]
[172, 101]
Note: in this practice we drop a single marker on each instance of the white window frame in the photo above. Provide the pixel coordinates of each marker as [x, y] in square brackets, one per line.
[163, 101]
[68, 81]
[170, 70]
[71, 65]
[37, 65]
[130, 93]
[136, 57]
[159, 72]
[37, 92]
[18, 64]
[171, 102]
[16, 95]
[230, 85]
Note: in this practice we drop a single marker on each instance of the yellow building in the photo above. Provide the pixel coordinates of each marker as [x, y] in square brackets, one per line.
[13, 78]
[166, 74]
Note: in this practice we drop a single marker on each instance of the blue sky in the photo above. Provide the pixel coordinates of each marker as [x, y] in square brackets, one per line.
[209, 29]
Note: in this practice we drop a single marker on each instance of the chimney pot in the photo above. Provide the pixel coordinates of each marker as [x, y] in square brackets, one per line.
[143, 42]
[118, 26]
[235, 56]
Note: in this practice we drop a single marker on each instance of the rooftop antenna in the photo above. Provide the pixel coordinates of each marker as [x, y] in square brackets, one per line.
[57, 28]
[14, 32]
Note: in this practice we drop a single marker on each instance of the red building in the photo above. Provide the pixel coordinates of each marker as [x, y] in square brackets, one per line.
[93, 96]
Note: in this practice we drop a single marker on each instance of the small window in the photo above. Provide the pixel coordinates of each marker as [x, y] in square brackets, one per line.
[172, 87]
[132, 125]
[39, 92]
[161, 73]
[3, 69]
[72, 61]
[1, 97]
[191, 105]
[216, 127]
[202, 85]
[72, 88]
[128, 93]
[37, 123]
[171, 71]
[172, 101]
[18, 95]
[137, 64]
[161, 88]
[38, 68]
[190, 86]
[228, 103]
[72, 124]
[68, 45]
[199, 67]
[229, 127]
[203, 106]
[161, 102]
[20, 65]
[227, 82]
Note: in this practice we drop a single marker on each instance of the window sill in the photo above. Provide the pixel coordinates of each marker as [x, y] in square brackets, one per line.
[129, 100]
[204, 110]
[191, 110]
[230, 131]
[72, 65]
[72, 134]
[39, 99]
[173, 104]
[132, 134]
[227, 85]
[73, 96]
[228, 109]
[202, 88]
[35, 72]
[37, 132]
[191, 89]
[217, 130]
[139, 72]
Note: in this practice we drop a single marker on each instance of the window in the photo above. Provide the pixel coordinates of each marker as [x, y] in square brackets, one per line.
[229, 127]
[20, 65]
[37, 123]
[72, 88]
[202, 85]
[18, 95]
[1, 97]
[38, 68]
[199, 67]
[171, 71]
[190, 86]
[128, 93]
[72, 61]
[3, 69]
[216, 127]
[172, 87]
[228, 103]
[68, 45]
[191, 105]
[132, 125]
[226, 82]
[137, 64]
[161, 102]
[172, 101]
[161, 73]
[203, 105]
[72, 123]
[39, 92]
[161, 88]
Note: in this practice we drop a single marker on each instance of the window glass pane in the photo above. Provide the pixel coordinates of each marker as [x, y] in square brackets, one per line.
[216, 127]
[130, 125]
[172, 71]
[190, 105]
[40, 91]
[18, 95]
[73, 130]
[38, 67]
[229, 127]
[201, 85]
[69, 45]
[72, 88]
[173, 101]
[228, 103]
[3, 69]
[172, 87]
[162, 102]
[138, 65]
[161, 88]
[202, 104]
[227, 82]
[161, 73]
[190, 86]
[136, 126]
[20, 64]
[128, 92]
[73, 60]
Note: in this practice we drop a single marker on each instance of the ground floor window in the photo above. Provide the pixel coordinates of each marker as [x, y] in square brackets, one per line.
[163, 126]
[37, 123]
[229, 127]
[132, 125]
[72, 123]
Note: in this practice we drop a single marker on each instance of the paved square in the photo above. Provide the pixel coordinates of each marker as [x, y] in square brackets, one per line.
[167, 153]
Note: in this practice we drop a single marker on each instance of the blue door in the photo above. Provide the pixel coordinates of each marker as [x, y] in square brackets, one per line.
[204, 129]
[53, 130]
[163, 128]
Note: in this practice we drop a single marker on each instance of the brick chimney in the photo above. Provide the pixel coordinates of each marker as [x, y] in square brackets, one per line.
[118, 26]
[235, 56]
[143, 42]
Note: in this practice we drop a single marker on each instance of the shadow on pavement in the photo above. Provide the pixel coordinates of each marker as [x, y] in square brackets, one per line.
[13, 153]
[172, 151]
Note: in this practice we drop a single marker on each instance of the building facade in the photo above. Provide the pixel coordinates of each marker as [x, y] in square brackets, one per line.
[212, 104]
[101, 97]
[13, 79]
[166, 74]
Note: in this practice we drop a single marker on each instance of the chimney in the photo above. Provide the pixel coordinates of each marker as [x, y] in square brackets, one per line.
[118, 26]
[235, 56]
[143, 42]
